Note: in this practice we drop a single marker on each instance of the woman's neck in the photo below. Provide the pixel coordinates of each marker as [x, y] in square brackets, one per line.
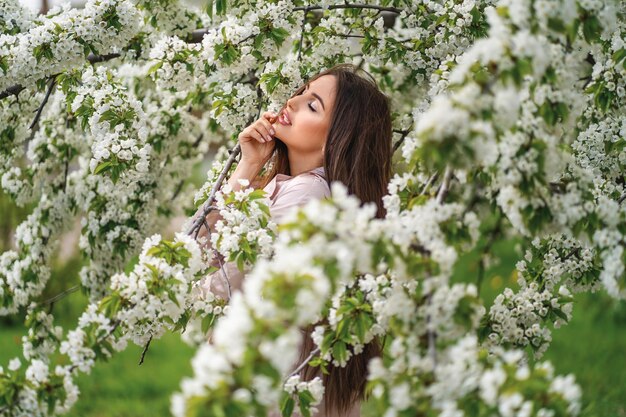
[302, 163]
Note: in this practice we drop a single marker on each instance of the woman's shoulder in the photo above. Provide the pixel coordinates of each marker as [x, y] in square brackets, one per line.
[296, 192]
[310, 182]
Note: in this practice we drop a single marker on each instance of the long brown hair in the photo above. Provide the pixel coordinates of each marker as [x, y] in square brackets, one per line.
[357, 153]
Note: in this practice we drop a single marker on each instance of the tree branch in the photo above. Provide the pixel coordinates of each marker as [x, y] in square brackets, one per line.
[43, 103]
[61, 295]
[145, 350]
[306, 10]
[399, 142]
[429, 183]
[445, 184]
[350, 6]
[208, 204]
[495, 232]
[304, 362]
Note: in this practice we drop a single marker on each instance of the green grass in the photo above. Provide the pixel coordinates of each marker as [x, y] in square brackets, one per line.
[121, 387]
[593, 348]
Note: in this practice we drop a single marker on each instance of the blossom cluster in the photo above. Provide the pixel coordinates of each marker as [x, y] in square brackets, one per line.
[244, 230]
[62, 40]
[516, 319]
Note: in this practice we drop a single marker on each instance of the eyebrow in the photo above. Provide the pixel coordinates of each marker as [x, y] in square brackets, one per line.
[316, 96]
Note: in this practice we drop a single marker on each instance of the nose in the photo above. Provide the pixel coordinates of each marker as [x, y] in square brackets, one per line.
[291, 102]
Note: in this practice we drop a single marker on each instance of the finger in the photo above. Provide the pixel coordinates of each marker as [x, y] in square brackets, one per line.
[268, 127]
[258, 136]
[270, 116]
[264, 133]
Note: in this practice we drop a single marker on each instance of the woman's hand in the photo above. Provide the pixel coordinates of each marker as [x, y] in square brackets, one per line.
[257, 140]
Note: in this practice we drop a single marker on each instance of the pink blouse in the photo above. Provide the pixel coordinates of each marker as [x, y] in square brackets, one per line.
[285, 192]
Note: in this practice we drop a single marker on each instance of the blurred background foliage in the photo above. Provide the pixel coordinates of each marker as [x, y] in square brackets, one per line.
[592, 346]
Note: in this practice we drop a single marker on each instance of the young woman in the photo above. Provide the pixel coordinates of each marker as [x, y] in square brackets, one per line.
[336, 127]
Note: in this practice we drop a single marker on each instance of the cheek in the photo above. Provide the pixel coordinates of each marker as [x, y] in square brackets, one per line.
[316, 131]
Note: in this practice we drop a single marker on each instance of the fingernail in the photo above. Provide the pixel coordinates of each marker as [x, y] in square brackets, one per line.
[272, 131]
[268, 138]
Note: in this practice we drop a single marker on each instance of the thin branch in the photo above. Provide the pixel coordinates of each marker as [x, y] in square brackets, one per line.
[430, 334]
[621, 199]
[306, 10]
[61, 295]
[571, 253]
[197, 142]
[116, 324]
[445, 184]
[43, 103]
[11, 91]
[178, 189]
[94, 59]
[224, 274]
[495, 232]
[304, 362]
[350, 6]
[400, 141]
[429, 183]
[198, 221]
[145, 350]
[67, 169]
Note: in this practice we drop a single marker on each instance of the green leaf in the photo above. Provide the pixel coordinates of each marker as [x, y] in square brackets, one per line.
[220, 7]
[592, 29]
[287, 406]
[619, 55]
[102, 167]
[155, 67]
[360, 327]
[209, 8]
[560, 314]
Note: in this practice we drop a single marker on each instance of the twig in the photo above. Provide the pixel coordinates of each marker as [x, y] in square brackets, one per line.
[430, 334]
[305, 362]
[178, 189]
[61, 295]
[145, 350]
[481, 265]
[399, 142]
[445, 184]
[116, 324]
[574, 251]
[429, 183]
[306, 10]
[198, 221]
[11, 91]
[621, 199]
[350, 6]
[43, 103]
[197, 142]
[67, 168]
[224, 274]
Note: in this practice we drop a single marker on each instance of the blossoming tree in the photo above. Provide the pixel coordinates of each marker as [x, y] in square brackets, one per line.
[509, 121]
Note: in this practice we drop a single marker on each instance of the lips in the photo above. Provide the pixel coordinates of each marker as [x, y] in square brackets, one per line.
[283, 118]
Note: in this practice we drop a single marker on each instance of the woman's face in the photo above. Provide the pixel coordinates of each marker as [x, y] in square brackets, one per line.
[304, 123]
